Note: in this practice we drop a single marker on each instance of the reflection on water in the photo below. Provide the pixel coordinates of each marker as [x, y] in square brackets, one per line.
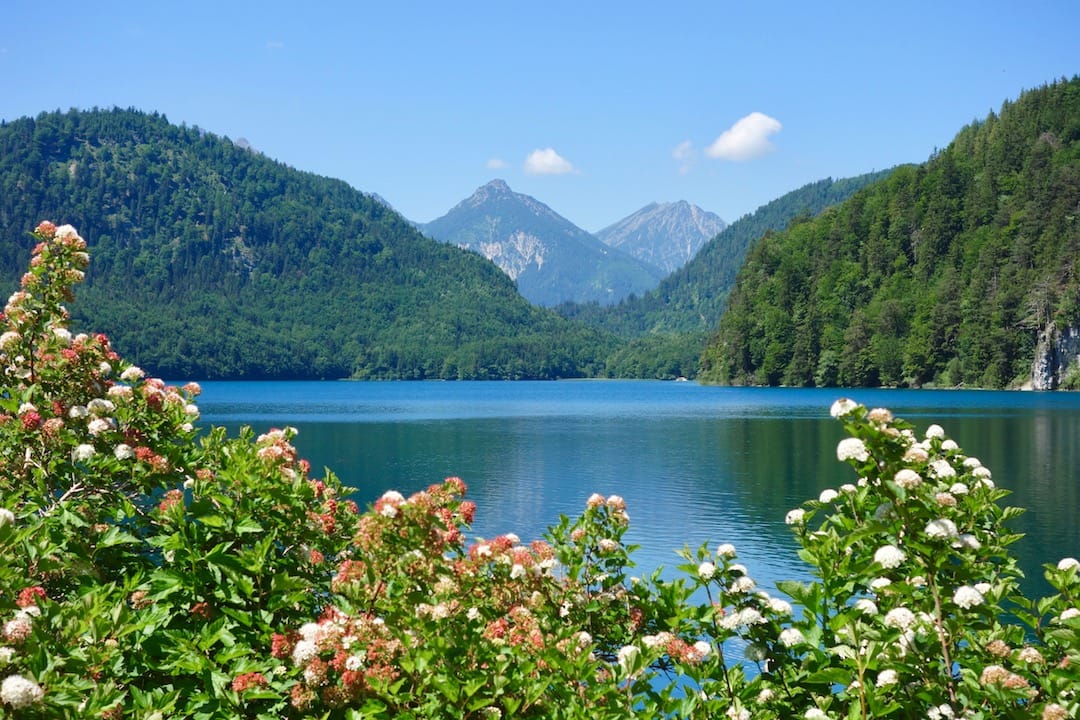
[695, 464]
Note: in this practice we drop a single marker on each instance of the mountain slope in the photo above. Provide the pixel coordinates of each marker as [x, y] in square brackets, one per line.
[210, 260]
[946, 273]
[551, 259]
[665, 235]
[691, 300]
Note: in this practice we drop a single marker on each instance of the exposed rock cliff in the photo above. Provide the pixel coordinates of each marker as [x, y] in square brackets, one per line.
[1056, 351]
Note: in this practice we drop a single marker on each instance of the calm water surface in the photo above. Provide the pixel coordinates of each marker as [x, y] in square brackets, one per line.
[695, 463]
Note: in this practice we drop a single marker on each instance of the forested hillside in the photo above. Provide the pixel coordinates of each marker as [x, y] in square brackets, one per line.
[944, 273]
[692, 298]
[666, 329]
[209, 260]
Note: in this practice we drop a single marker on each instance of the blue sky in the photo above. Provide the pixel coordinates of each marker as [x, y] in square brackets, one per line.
[595, 108]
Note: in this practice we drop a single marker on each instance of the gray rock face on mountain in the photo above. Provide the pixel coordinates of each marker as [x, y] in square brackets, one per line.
[1057, 351]
[666, 235]
[551, 259]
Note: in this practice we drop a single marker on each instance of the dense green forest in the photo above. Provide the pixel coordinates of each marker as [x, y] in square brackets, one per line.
[666, 329]
[210, 260]
[945, 273]
[692, 298]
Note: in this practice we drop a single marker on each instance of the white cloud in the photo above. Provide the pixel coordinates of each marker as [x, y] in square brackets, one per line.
[547, 162]
[685, 153]
[495, 163]
[746, 139]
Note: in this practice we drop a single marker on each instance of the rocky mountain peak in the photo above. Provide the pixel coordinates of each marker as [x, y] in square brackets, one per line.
[666, 235]
[497, 185]
[551, 259]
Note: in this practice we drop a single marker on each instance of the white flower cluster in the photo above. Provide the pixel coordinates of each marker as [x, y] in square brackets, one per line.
[866, 606]
[889, 556]
[742, 584]
[852, 449]
[1069, 613]
[778, 606]
[942, 469]
[967, 597]
[942, 528]
[941, 712]
[900, 618]
[741, 618]
[908, 479]
[792, 637]
[19, 692]
[795, 517]
[887, 677]
[737, 713]
[842, 407]
[83, 452]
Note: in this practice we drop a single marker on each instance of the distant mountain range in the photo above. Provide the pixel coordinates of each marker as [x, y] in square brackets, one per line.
[551, 259]
[665, 235]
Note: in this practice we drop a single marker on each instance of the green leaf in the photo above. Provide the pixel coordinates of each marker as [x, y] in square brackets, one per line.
[794, 589]
[115, 536]
[830, 676]
[1011, 512]
[214, 521]
[247, 525]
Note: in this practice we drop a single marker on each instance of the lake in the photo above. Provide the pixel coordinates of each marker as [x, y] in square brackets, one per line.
[694, 463]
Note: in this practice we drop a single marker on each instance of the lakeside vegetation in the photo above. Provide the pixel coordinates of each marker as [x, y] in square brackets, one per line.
[151, 571]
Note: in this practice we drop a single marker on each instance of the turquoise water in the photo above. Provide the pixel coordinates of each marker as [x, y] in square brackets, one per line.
[695, 463]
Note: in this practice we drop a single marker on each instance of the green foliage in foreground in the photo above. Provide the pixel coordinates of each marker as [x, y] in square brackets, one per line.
[944, 273]
[148, 574]
[213, 261]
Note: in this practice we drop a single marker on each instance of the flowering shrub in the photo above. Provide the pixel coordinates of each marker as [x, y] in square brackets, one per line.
[150, 572]
[143, 570]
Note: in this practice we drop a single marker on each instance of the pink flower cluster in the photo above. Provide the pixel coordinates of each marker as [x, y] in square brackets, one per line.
[249, 681]
[341, 656]
[30, 596]
[438, 510]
